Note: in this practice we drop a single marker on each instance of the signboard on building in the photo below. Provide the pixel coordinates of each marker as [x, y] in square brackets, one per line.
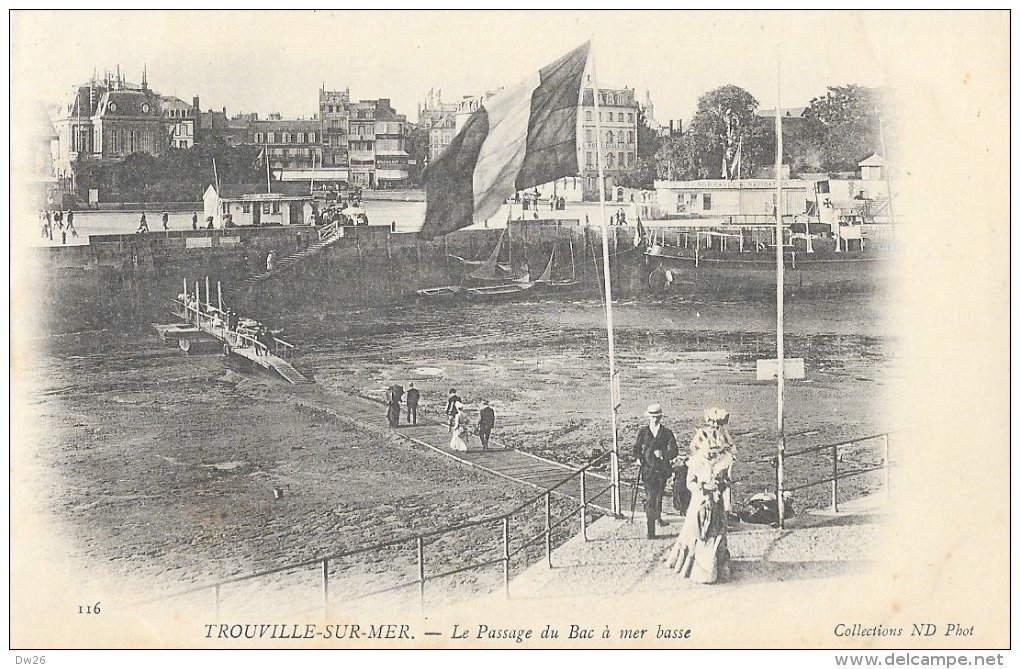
[93, 197]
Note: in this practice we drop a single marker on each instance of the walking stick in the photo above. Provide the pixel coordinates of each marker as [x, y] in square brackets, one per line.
[633, 497]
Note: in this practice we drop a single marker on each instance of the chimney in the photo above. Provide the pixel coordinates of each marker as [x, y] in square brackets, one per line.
[194, 103]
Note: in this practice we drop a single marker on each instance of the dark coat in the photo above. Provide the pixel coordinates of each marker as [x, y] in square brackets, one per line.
[486, 417]
[655, 469]
[412, 397]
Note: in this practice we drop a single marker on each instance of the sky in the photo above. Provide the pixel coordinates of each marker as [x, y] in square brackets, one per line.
[270, 61]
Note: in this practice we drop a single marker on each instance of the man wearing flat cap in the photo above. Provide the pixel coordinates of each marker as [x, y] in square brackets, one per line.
[655, 449]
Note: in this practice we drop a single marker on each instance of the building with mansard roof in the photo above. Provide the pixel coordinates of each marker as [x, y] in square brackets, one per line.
[106, 120]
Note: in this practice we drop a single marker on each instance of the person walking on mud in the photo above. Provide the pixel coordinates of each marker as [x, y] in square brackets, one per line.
[413, 397]
[655, 449]
[486, 421]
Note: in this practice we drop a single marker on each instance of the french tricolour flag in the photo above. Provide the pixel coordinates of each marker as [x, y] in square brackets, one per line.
[523, 137]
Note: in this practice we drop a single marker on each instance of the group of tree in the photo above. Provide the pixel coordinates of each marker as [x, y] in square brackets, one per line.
[178, 175]
[836, 131]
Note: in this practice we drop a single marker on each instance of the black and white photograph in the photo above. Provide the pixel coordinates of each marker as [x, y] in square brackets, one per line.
[534, 329]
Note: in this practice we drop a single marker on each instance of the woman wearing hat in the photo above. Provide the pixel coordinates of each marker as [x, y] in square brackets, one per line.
[459, 440]
[655, 449]
[701, 552]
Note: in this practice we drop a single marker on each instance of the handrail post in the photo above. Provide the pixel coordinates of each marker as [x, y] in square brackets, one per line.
[885, 460]
[421, 574]
[779, 482]
[548, 529]
[584, 510]
[325, 586]
[835, 475]
[506, 556]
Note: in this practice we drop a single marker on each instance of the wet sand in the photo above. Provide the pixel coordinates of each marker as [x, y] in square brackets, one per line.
[163, 467]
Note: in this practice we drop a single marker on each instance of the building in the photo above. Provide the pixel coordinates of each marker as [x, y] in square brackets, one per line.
[334, 114]
[441, 133]
[106, 120]
[617, 121]
[667, 130]
[289, 144]
[179, 121]
[288, 204]
[375, 143]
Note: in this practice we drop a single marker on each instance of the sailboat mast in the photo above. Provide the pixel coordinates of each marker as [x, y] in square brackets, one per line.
[780, 372]
[614, 464]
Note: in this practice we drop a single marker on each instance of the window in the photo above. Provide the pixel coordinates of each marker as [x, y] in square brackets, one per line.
[246, 208]
[630, 117]
[265, 207]
[621, 163]
[271, 137]
[587, 159]
[276, 207]
[706, 201]
[311, 138]
[587, 136]
[619, 117]
[226, 208]
[587, 114]
[301, 138]
[609, 160]
[630, 139]
[609, 138]
[630, 160]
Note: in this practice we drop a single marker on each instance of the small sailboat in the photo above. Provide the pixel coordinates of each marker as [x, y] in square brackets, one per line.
[555, 279]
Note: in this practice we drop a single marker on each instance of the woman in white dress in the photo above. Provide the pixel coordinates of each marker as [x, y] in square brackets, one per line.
[459, 440]
[701, 552]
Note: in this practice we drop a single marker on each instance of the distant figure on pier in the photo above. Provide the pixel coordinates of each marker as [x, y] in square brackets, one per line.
[394, 394]
[701, 552]
[655, 449]
[70, 223]
[166, 220]
[486, 421]
[452, 402]
[143, 225]
[208, 222]
[271, 261]
[58, 218]
[413, 397]
[194, 221]
[459, 440]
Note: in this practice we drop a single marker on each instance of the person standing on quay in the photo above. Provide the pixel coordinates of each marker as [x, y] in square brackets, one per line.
[413, 397]
[486, 421]
[701, 552]
[143, 225]
[194, 221]
[394, 394]
[70, 223]
[166, 220]
[655, 448]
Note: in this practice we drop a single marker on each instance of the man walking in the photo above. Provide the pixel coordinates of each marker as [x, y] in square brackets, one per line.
[413, 396]
[486, 421]
[655, 448]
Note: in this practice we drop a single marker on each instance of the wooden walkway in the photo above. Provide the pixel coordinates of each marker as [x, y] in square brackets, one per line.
[523, 468]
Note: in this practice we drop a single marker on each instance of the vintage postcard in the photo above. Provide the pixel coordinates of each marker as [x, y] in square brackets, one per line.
[510, 330]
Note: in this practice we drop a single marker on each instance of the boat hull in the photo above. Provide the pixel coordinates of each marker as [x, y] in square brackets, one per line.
[739, 274]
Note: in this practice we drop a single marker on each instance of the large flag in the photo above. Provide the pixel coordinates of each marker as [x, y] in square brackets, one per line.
[523, 137]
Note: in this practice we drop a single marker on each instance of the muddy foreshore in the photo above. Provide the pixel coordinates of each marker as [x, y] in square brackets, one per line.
[163, 466]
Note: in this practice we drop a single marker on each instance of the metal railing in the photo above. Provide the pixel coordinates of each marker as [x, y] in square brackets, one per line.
[205, 315]
[837, 475]
[420, 541]
[328, 231]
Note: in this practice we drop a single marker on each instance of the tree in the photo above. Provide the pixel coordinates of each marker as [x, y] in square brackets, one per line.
[725, 118]
[675, 159]
[642, 175]
[417, 143]
[843, 124]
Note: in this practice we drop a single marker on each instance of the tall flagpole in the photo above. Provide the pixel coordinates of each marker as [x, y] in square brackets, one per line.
[269, 185]
[780, 372]
[614, 383]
